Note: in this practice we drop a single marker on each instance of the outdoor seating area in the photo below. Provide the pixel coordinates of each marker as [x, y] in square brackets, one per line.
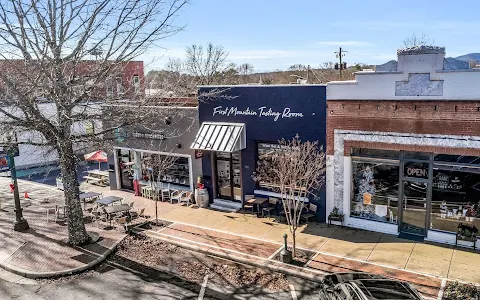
[167, 194]
[111, 212]
[268, 206]
[97, 177]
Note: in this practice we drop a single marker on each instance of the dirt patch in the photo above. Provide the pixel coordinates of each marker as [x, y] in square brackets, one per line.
[301, 257]
[193, 266]
[461, 291]
[155, 225]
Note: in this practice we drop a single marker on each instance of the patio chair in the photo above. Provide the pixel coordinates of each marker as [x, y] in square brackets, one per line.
[130, 204]
[121, 222]
[175, 195]
[311, 213]
[248, 203]
[53, 211]
[165, 195]
[138, 214]
[185, 197]
[272, 203]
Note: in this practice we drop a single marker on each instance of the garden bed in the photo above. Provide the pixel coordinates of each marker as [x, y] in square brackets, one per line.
[461, 291]
[301, 257]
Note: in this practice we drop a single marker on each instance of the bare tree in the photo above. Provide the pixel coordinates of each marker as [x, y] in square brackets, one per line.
[207, 64]
[245, 70]
[415, 41]
[295, 170]
[52, 88]
[157, 165]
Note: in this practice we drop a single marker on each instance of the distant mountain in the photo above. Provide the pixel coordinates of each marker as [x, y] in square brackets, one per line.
[469, 57]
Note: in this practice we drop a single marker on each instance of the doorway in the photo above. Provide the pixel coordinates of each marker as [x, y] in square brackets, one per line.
[228, 176]
[414, 208]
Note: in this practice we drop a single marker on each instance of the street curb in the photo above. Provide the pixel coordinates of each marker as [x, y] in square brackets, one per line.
[36, 275]
[266, 264]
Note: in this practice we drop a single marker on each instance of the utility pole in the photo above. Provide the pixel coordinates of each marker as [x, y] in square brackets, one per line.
[340, 53]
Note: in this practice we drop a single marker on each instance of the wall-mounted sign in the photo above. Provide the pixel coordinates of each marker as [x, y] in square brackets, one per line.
[198, 153]
[261, 112]
[416, 170]
[148, 135]
[4, 164]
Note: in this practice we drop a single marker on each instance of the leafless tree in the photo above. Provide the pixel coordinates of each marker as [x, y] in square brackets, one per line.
[157, 165]
[295, 170]
[50, 86]
[415, 40]
[207, 64]
[245, 70]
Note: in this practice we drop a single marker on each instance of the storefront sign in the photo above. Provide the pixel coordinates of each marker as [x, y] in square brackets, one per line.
[198, 153]
[416, 170]
[4, 164]
[367, 198]
[261, 112]
[151, 136]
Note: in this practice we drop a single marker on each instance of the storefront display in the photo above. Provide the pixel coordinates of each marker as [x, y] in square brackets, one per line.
[177, 171]
[440, 201]
[375, 195]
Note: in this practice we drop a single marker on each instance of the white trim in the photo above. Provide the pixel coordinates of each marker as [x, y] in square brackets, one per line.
[277, 195]
[190, 172]
[155, 152]
[117, 167]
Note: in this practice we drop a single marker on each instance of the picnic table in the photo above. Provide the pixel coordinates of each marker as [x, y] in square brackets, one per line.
[108, 200]
[97, 177]
[88, 196]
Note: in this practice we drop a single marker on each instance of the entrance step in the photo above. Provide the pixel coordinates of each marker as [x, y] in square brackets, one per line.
[226, 205]
[412, 237]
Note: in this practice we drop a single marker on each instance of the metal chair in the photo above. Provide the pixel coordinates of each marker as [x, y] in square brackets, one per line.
[165, 195]
[185, 197]
[175, 195]
[121, 222]
[272, 203]
[312, 213]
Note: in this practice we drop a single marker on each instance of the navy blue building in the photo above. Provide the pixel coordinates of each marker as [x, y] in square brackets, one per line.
[239, 123]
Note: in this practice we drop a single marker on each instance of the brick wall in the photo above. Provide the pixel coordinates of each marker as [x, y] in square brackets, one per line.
[420, 117]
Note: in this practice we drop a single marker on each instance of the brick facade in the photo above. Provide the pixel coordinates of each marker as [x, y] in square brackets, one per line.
[418, 117]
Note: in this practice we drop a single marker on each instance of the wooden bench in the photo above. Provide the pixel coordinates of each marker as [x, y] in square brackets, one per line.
[90, 179]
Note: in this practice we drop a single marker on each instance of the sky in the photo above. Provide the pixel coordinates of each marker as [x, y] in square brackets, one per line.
[275, 34]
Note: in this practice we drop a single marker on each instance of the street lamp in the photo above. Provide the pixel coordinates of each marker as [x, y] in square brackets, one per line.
[20, 223]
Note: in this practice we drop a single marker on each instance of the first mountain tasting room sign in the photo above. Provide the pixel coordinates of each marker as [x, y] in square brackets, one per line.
[261, 112]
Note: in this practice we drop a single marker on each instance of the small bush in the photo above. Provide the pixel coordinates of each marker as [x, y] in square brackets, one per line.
[461, 291]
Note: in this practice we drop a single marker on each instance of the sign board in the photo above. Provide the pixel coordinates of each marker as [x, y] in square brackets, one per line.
[198, 153]
[260, 112]
[148, 135]
[367, 198]
[4, 164]
[416, 170]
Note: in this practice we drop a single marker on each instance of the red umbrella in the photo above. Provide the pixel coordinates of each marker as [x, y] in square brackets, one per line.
[98, 155]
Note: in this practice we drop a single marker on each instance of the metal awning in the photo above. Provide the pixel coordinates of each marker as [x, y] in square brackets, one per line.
[222, 137]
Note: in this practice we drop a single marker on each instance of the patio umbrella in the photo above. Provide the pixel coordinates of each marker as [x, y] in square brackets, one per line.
[98, 155]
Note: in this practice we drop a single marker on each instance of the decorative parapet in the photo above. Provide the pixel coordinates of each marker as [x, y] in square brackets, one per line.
[421, 50]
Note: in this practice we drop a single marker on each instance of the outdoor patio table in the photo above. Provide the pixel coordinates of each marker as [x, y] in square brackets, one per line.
[89, 196]
[258, 202]
[108, 200]
[114, 209]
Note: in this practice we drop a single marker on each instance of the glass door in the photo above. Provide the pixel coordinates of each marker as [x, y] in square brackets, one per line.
[414, 207]
[228, 176]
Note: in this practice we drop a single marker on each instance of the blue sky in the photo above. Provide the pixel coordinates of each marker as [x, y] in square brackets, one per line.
[276, 34]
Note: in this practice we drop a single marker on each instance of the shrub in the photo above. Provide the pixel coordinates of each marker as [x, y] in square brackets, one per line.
[461, 291]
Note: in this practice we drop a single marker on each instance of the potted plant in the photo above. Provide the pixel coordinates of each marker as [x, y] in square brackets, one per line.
[335, 215]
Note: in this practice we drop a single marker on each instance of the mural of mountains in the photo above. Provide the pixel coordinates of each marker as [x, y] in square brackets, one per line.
[469, 57]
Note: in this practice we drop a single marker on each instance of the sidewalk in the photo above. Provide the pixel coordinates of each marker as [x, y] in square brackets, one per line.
[41, 251]
[436, 261]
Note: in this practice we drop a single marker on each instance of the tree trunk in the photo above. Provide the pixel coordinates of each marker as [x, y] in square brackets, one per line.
[294, 244]
[77, 234]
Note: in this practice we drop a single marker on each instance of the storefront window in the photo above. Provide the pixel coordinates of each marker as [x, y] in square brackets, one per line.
[375, 191]
[265, 153]
[376, 153]
[455, 197]
[125, 161]
[178, 171]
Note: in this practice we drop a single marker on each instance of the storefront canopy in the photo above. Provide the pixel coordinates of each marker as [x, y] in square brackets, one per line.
[222, 137]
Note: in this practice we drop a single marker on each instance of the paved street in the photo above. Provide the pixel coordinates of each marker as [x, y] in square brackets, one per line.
[114, 281]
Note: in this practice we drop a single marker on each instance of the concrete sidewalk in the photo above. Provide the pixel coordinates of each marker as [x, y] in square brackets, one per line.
[41, 251]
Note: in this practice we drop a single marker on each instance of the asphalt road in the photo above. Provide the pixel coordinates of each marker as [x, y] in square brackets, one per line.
[113, 281]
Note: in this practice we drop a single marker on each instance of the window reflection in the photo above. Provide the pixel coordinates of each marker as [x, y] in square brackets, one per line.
[375, 194]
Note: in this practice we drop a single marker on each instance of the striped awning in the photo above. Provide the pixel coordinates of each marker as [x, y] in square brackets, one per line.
[222, 137]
